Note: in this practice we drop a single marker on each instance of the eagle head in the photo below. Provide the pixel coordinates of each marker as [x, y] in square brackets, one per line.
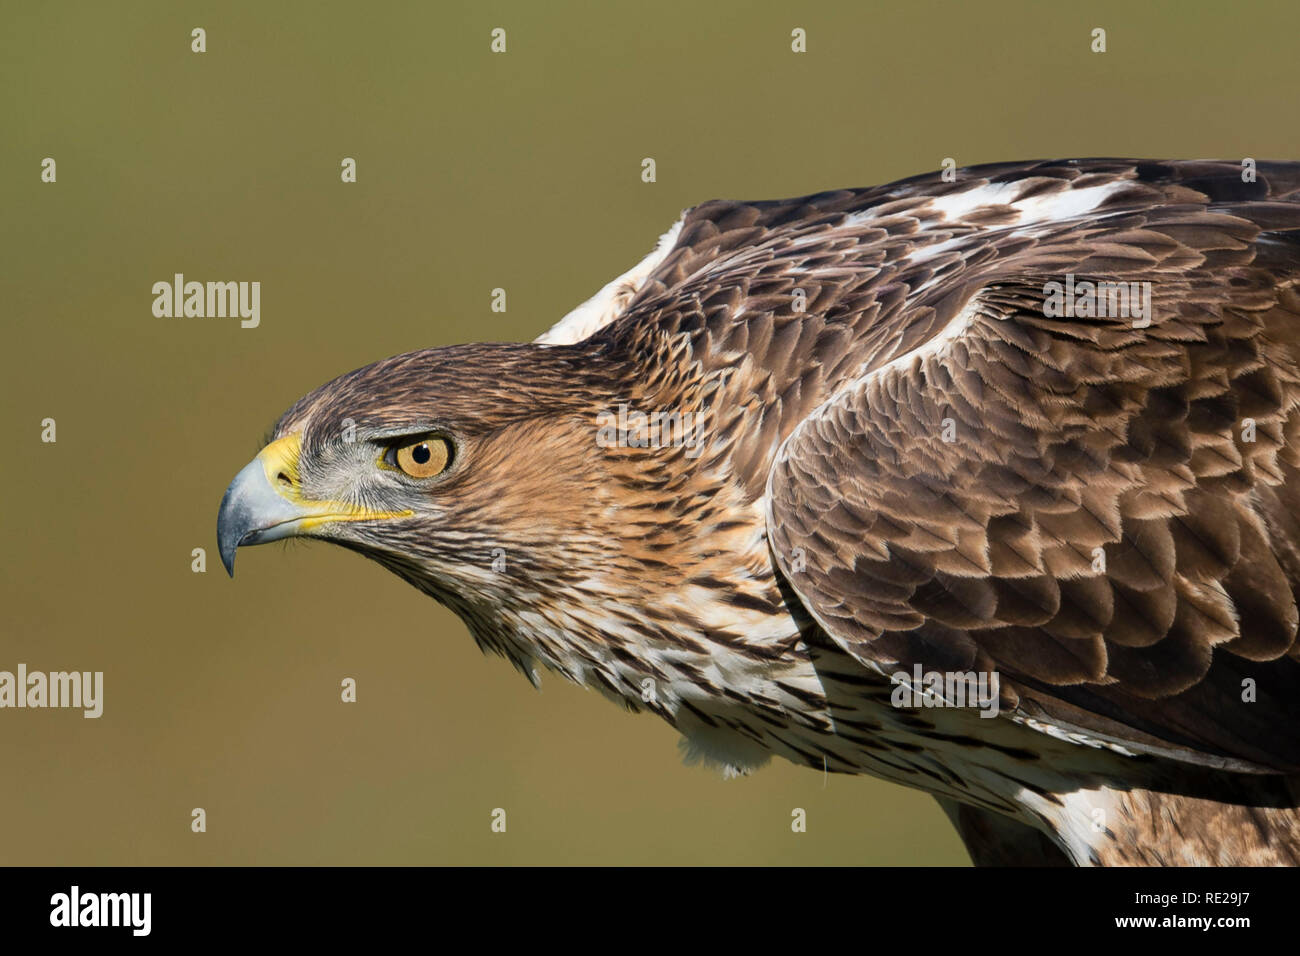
[468, 470]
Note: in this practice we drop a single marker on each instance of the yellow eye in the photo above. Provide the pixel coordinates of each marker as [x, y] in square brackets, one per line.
[425, 458]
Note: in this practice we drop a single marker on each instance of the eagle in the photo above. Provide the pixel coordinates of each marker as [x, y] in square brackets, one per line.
[816, 466]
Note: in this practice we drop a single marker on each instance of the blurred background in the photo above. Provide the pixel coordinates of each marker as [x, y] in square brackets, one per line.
[519, 170]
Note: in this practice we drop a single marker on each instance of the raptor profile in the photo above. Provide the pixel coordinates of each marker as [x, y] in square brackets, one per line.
[911, 452]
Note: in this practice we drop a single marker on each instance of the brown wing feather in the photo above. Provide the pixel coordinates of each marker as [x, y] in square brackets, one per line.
[1071, 434]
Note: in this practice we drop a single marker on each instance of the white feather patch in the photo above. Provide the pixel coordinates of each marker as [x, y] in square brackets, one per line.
[1046, 207]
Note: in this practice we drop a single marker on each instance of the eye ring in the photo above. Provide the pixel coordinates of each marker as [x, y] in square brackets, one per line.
[426, 458]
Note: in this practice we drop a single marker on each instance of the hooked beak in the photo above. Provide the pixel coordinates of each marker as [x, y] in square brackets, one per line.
[265, 503]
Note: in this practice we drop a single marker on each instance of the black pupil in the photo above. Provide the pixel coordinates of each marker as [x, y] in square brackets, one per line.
[421, 454]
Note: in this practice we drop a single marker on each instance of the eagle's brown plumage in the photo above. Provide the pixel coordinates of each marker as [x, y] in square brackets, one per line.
[901, 457]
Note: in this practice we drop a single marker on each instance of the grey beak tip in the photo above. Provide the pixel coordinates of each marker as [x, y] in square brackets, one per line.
[229, 531]
[252, 512]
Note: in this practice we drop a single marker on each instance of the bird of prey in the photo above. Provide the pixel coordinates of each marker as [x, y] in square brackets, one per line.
[811, 459]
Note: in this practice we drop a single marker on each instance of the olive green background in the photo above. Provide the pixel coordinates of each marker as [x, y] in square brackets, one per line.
[476, 171]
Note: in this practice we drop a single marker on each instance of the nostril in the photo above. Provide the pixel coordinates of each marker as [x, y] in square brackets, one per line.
[284, 479]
